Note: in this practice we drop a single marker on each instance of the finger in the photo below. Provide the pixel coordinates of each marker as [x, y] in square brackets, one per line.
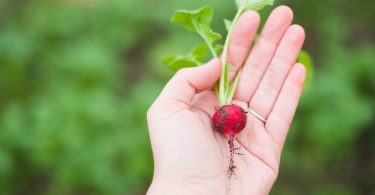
[281, 116]
[274, 77]
[187, 82]
[241, 39]
[262, 53]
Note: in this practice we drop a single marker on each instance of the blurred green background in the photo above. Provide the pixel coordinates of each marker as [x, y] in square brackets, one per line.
[77, 76]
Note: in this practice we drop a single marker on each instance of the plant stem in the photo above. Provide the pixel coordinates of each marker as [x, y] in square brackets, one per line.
[209, 46]
[208, 43]
[222, 91]
[232, 88]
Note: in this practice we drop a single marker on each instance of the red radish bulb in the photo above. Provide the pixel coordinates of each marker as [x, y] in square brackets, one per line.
[230, 120]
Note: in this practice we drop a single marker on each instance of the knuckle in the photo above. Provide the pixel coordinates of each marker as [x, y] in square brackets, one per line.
[266, 42]
[182, 72]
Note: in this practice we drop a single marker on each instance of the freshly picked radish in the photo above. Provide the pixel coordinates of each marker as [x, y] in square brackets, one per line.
[229, 119]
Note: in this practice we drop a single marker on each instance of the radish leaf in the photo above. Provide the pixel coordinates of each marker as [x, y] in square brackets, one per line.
[178, 62]
[199, 21]
[305, 58]
[253, 4]
[219, 49]
[194, 58]
[228, 24]
[200, 52]
[191, 19]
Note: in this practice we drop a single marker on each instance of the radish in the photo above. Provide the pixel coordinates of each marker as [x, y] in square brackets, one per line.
[229, 119]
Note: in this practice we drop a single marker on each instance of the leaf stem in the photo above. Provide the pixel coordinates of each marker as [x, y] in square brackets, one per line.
[208, 43]
[224, 81]
[210, 47]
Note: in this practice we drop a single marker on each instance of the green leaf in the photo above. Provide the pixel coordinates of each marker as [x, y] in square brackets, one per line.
[253, 4]
[219, 49]
[209, 34]
[305, 58]
[200, 52]
[194, 58]
[191, 18]
[178, 62]
[228, 24]
[199, 21]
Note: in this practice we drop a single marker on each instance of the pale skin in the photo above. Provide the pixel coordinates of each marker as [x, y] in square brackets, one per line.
[189, 156]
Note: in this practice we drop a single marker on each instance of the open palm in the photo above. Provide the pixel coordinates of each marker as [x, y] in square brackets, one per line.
[189, 156]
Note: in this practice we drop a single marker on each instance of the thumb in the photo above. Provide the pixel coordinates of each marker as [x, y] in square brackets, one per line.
[187, 82]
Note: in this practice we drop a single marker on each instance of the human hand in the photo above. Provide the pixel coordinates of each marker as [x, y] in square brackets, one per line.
[189, 156]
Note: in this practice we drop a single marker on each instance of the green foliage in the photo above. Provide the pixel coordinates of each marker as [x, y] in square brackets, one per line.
[199, 21]
[253, 4]
[178, 62]
[66, 124]
[194, 20]
[305, 58]
[196, 56]
[227, 24]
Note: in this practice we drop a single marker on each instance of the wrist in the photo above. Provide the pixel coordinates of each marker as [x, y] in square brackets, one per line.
[186, 186]
[167, 187]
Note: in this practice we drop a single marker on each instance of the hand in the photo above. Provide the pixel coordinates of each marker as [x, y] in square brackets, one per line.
[190, 157]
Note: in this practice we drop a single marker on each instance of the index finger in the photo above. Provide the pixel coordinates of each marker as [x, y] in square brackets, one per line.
[240, 42]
